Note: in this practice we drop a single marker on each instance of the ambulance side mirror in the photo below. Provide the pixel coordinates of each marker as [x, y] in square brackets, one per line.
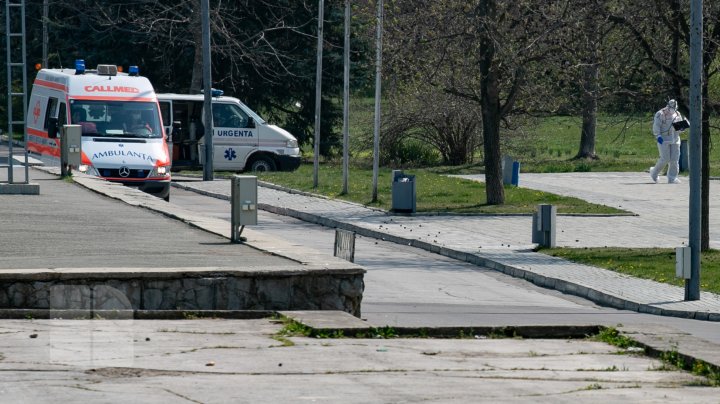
[53, 128]
[251, 122]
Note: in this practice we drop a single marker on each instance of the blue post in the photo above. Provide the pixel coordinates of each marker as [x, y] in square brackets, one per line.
[516, 173]
[683, 156]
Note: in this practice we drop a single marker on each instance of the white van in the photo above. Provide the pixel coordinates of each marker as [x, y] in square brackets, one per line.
[242, 140]
[123, 138]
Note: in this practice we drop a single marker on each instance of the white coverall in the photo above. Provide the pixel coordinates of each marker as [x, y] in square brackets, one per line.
[670, 147]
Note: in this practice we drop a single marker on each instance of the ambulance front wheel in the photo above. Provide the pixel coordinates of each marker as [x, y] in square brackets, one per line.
[262, 164]
[159, 189]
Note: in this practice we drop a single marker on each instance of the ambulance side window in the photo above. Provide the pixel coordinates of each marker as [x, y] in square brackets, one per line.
[229, 116]
[165, 113]
[50, 111]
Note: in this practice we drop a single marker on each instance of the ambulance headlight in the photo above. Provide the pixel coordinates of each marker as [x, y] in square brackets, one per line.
[291, 144]
[160, 171]
[88, 169]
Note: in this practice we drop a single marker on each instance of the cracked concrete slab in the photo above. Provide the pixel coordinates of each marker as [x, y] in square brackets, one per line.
[210, 360]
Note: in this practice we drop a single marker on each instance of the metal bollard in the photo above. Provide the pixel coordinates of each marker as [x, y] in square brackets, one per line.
[344, 245]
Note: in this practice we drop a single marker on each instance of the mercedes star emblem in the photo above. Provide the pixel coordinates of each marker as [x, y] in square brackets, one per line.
[124, 171]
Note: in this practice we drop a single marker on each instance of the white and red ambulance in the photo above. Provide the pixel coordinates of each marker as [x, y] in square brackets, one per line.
[123, 139]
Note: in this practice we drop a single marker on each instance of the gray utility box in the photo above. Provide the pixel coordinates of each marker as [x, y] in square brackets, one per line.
[243, 201]
[70, 143]
[403, 192]
[544, 225]
[507, 169]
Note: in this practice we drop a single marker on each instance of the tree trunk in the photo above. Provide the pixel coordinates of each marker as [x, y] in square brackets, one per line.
[591, 73]
[490, 104]
[590, 89]
[197, 69]
[494, 189]
[589, 112]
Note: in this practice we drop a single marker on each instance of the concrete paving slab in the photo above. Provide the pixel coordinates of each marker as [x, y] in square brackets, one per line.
[240, 361]
[659, 339]
[326, 320]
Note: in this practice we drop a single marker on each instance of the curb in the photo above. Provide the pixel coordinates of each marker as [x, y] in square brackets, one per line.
[560, 285]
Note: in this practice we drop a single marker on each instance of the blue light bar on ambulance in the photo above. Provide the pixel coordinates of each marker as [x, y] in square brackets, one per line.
[79, 66]
[214, 92]
[134, 71]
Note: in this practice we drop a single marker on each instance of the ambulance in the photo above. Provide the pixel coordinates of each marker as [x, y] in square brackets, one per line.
[123, 138]
[242, 140]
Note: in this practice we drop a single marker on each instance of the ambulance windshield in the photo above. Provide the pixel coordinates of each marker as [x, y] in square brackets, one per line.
[116, 118]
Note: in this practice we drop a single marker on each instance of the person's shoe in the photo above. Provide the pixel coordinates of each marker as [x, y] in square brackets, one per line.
[653, 174]
[674, 181]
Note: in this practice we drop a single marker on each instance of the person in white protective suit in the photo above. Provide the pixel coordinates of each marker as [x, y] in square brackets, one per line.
[668, 142]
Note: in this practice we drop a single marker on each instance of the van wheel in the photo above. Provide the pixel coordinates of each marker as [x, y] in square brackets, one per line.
[263, 164]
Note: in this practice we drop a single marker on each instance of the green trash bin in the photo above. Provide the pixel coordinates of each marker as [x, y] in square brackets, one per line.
[403, 192]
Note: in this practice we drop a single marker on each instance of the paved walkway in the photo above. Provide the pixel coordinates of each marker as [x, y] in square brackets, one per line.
[504, 242]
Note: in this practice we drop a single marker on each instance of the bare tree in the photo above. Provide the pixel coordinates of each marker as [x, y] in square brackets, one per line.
[432, 117]
[241, 32]
[482, 53]
[512, 36]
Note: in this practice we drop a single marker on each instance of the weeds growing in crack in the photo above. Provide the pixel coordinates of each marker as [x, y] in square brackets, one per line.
[286, 342]
[613, 337]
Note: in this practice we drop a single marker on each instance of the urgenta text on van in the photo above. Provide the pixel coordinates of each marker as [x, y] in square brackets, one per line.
[233, 133]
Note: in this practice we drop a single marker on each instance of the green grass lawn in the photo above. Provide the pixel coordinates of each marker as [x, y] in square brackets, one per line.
[622, 143]
[657, 264]
[434, 192]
